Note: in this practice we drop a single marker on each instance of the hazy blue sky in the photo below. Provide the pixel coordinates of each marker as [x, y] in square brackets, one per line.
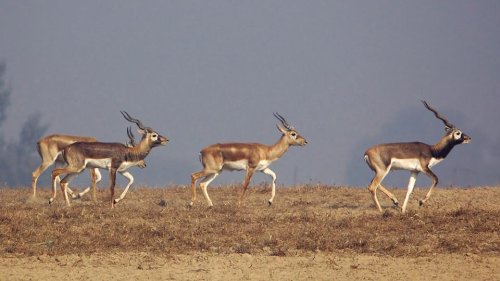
[346, 74]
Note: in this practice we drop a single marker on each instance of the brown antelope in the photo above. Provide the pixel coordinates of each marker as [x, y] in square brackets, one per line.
[115, 157]
[244, 156]
[50, 149]
[412, 156]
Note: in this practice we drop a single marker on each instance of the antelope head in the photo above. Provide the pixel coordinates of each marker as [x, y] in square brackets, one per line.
[289, 132]
[148, 134]
[455, 135]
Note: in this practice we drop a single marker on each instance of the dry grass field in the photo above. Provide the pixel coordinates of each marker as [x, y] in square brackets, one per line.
[310, 233]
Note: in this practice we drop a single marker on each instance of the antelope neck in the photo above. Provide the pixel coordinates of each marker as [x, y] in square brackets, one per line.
[139, 152]
[441, 149]
[279, 148]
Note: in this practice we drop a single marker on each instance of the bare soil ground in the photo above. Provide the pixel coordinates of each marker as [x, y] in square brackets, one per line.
[311, 232]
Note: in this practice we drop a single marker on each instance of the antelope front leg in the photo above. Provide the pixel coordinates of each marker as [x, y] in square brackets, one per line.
[411, 185]
[112, 182]
[56, 173]
[79, 195]
[246, 182]
[55, 181]
[95, 177]
[64, 185]
[130, 181]
[269, 172]
[64, 188]
[434, 178]
[75, 195]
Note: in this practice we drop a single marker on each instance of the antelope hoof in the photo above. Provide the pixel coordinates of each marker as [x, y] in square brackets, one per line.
[396, 203]
[420, 203]
[51, 200]
[270, 203]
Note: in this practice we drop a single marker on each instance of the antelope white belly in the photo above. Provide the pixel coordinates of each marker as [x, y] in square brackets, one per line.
[236, 165]
[406, 164]
[125, 165]
[98, 163]
[435, 161]
[263, 164]
[243, 165]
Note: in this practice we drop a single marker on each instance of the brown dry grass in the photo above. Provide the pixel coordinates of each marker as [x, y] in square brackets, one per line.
[304, 221]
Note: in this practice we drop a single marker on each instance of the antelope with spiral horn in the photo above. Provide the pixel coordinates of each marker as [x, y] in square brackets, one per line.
[250, 157]
[115, 157]
[50, 150]
[415, 157]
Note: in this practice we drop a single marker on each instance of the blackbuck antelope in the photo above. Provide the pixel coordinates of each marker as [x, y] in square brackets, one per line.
[244, 156]
[50, 149]
[115, 157]
[412, 156]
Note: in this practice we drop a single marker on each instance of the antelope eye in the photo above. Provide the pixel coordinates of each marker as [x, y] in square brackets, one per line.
[293, 134]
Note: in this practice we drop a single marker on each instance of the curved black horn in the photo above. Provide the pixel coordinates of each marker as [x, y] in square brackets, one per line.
[133, 120]
[283, 121]
[131, 136]
[438, 116]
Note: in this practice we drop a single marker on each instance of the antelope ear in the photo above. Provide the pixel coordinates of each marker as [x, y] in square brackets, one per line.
[142, 132]
[448, 129]
[281, 129]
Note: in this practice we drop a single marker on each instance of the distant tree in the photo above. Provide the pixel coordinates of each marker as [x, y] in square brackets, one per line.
[18, 159]
[31, 131]
[25, 150]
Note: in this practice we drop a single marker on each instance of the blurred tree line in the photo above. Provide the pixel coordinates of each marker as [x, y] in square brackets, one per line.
[18, 158]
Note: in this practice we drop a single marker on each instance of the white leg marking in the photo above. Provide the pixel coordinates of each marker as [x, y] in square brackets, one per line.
[411, 185]
[68, 178]
[269, 172]
[83, 192]
[130, 181]
[64, 186]
[204, 184]
[70, 192]
[65, 193]
[98, 175]
[86, 190]
[56, 181]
